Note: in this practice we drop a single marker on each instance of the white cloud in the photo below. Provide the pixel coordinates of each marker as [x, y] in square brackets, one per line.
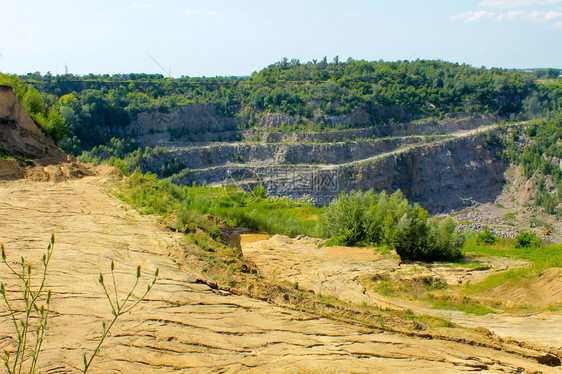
[515, 15]
[190, 12]
[513, 4]
[541, 11]
[473, 16]
[534, 16]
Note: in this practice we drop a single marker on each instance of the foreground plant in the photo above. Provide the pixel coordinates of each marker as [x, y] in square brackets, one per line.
[31, 322]
[30, 315]
[118, 308]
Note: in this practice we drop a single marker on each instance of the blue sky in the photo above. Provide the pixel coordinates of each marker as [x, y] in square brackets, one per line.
[237, 37]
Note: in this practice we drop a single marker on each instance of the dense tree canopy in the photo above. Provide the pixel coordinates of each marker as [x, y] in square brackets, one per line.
[94, 107]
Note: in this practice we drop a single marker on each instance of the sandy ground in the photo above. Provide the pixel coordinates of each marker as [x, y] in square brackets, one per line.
[336, 272]
[185, 326]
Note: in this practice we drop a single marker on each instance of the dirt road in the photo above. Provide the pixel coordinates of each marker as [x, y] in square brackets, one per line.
[184, 326]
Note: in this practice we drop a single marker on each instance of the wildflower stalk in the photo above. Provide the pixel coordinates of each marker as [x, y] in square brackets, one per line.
[118, 308]
[22, 319]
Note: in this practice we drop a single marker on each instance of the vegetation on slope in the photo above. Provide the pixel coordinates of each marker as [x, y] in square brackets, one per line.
[541, 158]
[185, 206]
[354, 218]
[525, 246]
[45, 114]
[96, 107]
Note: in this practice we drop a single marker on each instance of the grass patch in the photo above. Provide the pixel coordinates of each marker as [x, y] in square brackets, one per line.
[513, 277]
[541, 223]
[435, 321]
[463, 304]
[511, 216]
[410, 287]
[184, 205]
[541, 258]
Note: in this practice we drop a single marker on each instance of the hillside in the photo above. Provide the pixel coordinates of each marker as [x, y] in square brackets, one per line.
[213, 308]
[19, 135]
[288, 96]
[232, 298]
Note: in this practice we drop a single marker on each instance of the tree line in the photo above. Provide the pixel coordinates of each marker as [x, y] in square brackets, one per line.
[96, 107]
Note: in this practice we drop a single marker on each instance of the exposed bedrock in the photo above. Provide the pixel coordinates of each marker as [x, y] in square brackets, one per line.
[279, 154]
[203, 123]
[446, 175]
[449, 175]
[19, 134]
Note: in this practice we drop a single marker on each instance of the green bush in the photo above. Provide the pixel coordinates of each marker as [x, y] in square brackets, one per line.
[365, 217]
[346, 237]
[486, 237]
[259, 191]
[445, 240]
[410, 239]
[5, 154]
[527, 240]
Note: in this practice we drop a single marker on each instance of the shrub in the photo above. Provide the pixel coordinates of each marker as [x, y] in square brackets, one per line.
[363, 217]
[486, 237]
[527, 240]
[259, 191]
[445, 241]
[346, 237]
[411, 234]
[367, 217]
[5, 154]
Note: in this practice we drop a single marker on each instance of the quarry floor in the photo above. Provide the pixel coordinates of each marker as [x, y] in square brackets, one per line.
[185, 326]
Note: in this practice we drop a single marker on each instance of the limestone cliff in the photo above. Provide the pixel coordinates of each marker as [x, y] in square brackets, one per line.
[205, 123]
[193, 118]
[19, 134]
[452, 174]
[441, 176]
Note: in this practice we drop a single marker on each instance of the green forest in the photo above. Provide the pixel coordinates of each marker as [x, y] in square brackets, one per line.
[81, 112]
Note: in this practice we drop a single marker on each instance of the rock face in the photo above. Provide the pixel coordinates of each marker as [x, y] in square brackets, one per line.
[18, 132]
[286, 154]
[201, 123]
[413, 157]
[381, 131]
[193, 118]
[450, 174]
